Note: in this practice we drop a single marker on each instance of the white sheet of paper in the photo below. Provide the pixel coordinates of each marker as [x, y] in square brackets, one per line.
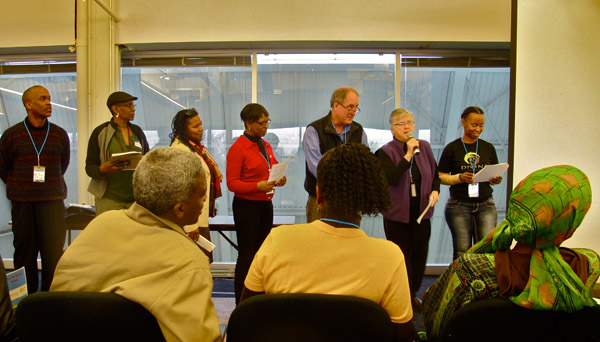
[424, 211]
[278, 171]
[489, 172]
[204, 243]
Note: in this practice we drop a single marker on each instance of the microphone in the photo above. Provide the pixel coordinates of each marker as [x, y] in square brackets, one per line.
[410, 135]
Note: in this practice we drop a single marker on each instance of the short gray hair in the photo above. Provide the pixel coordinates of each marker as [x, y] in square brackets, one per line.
[398, 113]
[339, 95]
[166, 176]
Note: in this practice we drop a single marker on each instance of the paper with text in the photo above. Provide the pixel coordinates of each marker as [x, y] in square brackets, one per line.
[489, 172]
[278, 171]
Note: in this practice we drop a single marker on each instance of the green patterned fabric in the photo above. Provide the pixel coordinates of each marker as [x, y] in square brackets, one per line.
[470, 278]
[544, 210]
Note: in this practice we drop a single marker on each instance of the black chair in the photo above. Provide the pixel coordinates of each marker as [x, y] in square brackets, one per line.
[84, 316]
[308, 317]
[500, 319]
[77, 218]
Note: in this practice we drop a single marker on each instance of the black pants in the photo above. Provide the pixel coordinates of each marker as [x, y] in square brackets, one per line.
[413, 240]
[253, 222]
[38, 227]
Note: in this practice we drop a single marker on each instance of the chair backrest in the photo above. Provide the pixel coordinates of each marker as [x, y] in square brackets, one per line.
[77, 217]
[84, 316]
[499, 319]
[308, 317]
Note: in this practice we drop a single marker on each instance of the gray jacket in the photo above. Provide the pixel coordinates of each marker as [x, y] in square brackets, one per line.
[98, 153]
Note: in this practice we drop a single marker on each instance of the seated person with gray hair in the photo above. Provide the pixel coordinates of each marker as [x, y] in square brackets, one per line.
[143, 253]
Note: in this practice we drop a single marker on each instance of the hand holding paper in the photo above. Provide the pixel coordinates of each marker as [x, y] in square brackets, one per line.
[277, 174]
[489, 172]
[278, 171]
[431, 202]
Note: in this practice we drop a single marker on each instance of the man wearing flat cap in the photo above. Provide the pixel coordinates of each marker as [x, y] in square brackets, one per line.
[111, 180]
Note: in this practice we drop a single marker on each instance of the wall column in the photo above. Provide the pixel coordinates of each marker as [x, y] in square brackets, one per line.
[98, 75]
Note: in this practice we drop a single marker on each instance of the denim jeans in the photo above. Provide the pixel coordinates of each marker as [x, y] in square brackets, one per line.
[469, 222]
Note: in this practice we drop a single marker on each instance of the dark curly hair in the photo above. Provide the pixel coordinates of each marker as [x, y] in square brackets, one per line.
[352, 182]
[179, 126]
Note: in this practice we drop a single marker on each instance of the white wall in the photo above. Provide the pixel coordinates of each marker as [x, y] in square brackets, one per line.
[557, 95]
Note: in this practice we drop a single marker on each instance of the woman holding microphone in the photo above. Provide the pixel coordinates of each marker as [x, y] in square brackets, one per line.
[471, 211]
[249, 161]
[413, 182]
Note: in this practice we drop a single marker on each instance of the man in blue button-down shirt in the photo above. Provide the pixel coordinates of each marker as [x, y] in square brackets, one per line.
[336, 128]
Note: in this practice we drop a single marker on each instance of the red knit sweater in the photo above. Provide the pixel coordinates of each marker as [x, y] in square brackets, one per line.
[18, 157]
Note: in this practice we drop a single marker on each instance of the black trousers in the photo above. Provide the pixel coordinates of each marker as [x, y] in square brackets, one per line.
[413, 240]
[38, 227]
[253, 222]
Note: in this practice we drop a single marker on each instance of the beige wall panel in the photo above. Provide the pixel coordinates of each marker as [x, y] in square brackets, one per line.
[557, 102]
[37, 23]
[274, 20]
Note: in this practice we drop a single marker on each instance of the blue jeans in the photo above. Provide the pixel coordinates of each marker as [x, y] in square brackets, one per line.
[469, 222]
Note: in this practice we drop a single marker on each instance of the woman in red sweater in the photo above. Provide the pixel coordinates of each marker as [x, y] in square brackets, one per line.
[249, 162]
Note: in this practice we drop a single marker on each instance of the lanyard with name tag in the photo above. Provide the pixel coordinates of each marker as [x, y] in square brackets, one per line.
[473, 188]
[39, 172]
[413, 186]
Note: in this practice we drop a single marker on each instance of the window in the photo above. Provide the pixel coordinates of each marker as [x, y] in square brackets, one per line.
[296, 89]
[63, 91]
[218, 92]
[437, 97]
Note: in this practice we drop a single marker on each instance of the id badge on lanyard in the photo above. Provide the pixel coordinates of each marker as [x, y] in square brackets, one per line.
[413, 186]
[39, 174]
[474, 190]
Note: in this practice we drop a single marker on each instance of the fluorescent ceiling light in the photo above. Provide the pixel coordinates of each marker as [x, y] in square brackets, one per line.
[53, 103]
[161, 94]
[326, 58]
[39, 62]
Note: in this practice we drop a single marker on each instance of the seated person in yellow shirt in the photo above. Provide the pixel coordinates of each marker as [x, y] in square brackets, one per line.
[333, 255]
[143, 253]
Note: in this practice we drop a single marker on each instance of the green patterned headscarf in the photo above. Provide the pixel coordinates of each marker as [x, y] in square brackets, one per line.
[544, 210]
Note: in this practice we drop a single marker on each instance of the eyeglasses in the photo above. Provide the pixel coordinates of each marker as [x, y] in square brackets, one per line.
[402, 124]
[350, 108]
[264, 123]
[130, 105]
